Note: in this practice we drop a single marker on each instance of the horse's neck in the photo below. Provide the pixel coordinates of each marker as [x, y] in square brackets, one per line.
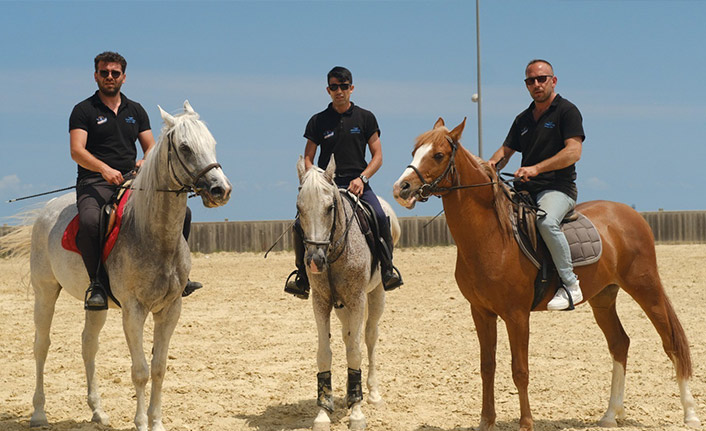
[470, 212]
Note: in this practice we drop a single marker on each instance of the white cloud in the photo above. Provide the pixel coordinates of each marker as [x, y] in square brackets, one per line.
[9, 182]
[594, 183]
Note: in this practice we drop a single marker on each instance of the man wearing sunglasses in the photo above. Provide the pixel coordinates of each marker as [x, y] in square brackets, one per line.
[549, 134]
[103, 130]
[344, 130]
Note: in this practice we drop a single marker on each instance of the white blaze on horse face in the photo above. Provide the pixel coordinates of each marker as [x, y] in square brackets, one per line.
[419, 155]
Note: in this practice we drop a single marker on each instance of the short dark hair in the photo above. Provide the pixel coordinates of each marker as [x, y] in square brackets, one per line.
[110, 57]
[539, 60]
[340, 73]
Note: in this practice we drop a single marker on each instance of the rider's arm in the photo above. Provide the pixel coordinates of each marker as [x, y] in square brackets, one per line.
[146, 142]
[309, 153]
[570, 154]
[79, 153]
[501, 157]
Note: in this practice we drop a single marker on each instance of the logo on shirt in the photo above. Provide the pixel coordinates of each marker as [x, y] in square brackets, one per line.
[130, 120]
[549, 125]
[524, 131]
[101, 119]
[355, 130]
[328, 134]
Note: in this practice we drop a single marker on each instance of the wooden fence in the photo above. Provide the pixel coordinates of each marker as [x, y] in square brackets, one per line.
[257, 236]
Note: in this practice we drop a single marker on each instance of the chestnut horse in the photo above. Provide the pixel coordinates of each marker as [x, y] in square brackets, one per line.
[497, 279]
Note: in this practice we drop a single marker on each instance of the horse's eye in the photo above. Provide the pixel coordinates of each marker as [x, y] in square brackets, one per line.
[329, 210]
[438, 156]
[185, 149]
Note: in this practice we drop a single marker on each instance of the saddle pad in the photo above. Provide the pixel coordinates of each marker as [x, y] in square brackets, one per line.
[584, 241]
[68, 240]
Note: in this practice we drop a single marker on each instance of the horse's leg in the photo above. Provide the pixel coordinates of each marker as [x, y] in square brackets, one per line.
[322, 315]
[603, 306]
[376, 305]
[89, 343]
[647, 290]
[164, 323]
[352, 327]
[518, 333]
[134, 316]
[45, 295]
[487, 331]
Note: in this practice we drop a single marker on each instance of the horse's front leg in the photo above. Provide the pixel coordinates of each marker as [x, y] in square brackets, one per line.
[352, 317]
[322, 315]
[134, 316]
[376, 305]
[164, 323]
[487, 330]
[518, 334]
[95, 320]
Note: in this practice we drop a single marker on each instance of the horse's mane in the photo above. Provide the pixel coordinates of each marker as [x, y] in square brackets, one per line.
[189, 129]
[315, 179]
[501, 201]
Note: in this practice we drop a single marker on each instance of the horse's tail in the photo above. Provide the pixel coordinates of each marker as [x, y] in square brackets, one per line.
[681, 354]
[17, 240]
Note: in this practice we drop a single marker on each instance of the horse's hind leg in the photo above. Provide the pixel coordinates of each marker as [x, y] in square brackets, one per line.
[376, 305]
[604, 312]
[164, 323]
[45, 295]
[322, 315]
[95, 320]
[659, 310]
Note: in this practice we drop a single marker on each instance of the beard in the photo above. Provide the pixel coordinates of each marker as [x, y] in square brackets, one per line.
[110, 91]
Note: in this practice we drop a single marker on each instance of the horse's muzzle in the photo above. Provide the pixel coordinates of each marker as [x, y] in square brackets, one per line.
[404, 194]
[316, 259]
[215, 193]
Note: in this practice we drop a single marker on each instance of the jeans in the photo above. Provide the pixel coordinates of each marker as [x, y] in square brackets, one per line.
[556, 205]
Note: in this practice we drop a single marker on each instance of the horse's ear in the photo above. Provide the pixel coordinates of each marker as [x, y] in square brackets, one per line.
[301, 168]
[330, 169]
[167, 117]
[458, 131]
[439, 123]
[188, 109]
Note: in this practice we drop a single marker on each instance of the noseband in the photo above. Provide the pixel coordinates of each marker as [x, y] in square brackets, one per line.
[194, 178]
[428, 189]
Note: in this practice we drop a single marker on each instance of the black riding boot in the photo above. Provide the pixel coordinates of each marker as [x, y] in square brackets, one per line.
[391, 277]
[96, 298]
[299, 286]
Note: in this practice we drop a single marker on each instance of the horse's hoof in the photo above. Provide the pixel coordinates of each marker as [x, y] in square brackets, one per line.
[38, 420]
[100, 417]
[357, 424]
[606, 422]
[321, 426]
[692, 421]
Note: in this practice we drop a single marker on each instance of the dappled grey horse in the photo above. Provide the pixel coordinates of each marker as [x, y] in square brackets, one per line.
[148, 266]
[341, 273]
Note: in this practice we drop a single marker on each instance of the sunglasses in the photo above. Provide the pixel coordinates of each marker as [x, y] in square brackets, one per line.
[335, 87]
[541, 79]
[114, 73]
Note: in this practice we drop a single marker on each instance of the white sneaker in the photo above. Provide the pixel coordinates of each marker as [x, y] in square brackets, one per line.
[561, 299]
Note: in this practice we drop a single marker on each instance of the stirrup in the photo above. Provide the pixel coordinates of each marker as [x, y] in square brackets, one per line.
[99, 290]
[396, 284]
[191, 287]
[293, 287]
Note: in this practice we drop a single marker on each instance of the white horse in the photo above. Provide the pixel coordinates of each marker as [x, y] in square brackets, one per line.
[341, 274]
[148, 266]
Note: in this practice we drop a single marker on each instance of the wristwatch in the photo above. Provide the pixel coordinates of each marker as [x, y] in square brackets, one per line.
[363, 178]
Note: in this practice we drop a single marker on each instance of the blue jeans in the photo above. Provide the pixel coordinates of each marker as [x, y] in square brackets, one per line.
[556, 205]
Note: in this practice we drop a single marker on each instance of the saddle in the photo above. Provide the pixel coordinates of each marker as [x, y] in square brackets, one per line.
[110, 222]
[368, 223]
[583, 238]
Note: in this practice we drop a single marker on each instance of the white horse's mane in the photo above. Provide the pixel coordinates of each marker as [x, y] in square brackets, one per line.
[186, 128]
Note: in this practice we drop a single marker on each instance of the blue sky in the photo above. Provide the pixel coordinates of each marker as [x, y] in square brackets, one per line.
[255, 71]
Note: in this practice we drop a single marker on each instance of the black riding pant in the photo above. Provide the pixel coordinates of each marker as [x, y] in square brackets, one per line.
[91, 195]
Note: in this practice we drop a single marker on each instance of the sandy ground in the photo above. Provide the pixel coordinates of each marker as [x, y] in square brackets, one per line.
[243, 355]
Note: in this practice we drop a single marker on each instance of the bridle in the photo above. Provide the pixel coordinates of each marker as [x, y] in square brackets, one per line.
[330, 244]
[185, 188]
[429, 189]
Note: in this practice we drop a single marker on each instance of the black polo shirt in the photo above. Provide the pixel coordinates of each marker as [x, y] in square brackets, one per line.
[111, 138]
[542, 139]
[344, 135]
